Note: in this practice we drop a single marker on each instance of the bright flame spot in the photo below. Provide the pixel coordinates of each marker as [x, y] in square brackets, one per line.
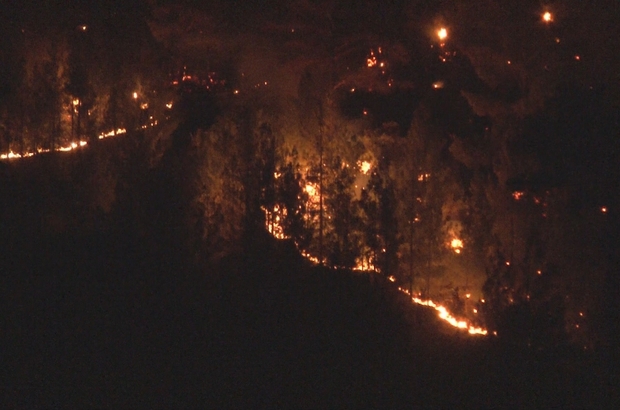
[604, 209]
[457, 245]
[438, 85]
[273, 221]
[364, 167]
[135, 95]
[442, 33]
[517, 195]
[507, 263]
[423, 177]
[547, 17]
[311, 190]
[391, 278]
[144, 106]
[169, 105]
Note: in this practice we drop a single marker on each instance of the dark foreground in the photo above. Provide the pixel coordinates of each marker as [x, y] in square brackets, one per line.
[106, 322]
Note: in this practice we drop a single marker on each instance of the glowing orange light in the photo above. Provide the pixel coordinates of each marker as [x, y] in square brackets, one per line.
[135, 95]
[112, 133]
[364, 167]
[547, 17]
[442, 33]
[456, 245]
[311, 190]
[604, 209]
[391, 278]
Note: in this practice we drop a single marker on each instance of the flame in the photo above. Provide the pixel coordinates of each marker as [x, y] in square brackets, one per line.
[442, 33]
[423, 177]
[112, 133]
[447, 317]
[273, 221]
[273, 225]
[364, 167]
[547, 17]
[457, 245]
[311, 190]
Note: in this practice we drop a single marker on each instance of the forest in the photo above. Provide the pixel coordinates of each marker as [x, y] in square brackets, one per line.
[463, 152]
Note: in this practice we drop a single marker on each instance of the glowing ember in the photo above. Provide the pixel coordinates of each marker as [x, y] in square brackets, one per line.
[73, 146]
[442, 33]
[135, 95]
[447, 317]
[273, 221]
[456, 245]
[547, 17]
[437, 85]
[391, 278]
[604, 209]
[169, 105]
[112, 133]
[311, 190]
[517, 195]
[364, 167]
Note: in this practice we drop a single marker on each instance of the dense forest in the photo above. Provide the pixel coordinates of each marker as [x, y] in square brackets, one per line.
[465, 151]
